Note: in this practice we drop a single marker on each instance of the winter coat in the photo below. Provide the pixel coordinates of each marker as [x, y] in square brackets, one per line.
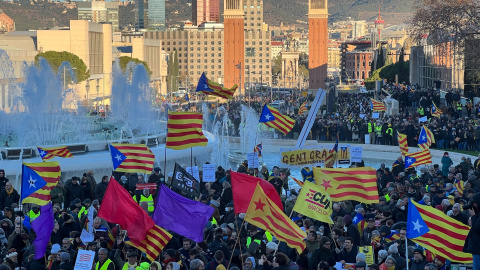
[7, 200]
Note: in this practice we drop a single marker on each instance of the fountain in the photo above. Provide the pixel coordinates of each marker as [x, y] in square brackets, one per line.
[44, 113]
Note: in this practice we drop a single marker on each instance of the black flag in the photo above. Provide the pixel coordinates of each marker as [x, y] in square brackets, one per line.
[184, 183]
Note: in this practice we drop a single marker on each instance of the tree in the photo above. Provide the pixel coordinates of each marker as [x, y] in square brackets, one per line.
[303, 60]
[55, 59]
[401, 67]
[172, 72]
[124, 60]
[277, 66]
[380, 57]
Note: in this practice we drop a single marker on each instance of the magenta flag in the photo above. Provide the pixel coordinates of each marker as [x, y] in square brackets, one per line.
[43, 227]
[181, 215]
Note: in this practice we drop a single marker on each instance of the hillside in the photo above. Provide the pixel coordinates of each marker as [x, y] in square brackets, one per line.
[46, 15]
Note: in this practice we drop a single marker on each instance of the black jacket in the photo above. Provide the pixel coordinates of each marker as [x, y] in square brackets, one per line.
[100, 191]
[7, 200]
[473, 237]
[319, 254]
[74, 192]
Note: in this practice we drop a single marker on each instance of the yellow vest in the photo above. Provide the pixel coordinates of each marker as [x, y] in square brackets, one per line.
[125, 266]
[82, 211]
[32, 215]
[149, 200]
[370, 130]
[249, 241]
[104, 266]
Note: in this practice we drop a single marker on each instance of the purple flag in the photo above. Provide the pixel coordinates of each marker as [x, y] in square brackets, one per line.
[43, 227]
[181, 215]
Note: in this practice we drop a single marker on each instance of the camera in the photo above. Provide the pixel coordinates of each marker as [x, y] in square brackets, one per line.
[467, 206]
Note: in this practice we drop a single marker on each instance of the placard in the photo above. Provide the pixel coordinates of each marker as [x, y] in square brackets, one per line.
[367, 138]
[146, 186]
[253, 160]
[369, 255]
[356, 154]
[375, 115]
[208, 172]
[362, 115]
[195, 172]
[304, 157]
[84, 260]
[422, 119]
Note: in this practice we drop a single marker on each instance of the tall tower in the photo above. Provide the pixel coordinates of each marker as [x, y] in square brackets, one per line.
[379, 23]
[205, 11]
[234, 43]
[317, 42]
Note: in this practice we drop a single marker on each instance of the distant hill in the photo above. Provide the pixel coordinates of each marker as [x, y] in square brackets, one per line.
[46, 15]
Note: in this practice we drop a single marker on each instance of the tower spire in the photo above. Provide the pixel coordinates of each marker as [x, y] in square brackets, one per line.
[379, 17]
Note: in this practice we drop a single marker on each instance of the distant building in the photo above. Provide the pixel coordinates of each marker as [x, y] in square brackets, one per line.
[91, 42]
[318, 37]
[156, 15]
[379, 24]
[205, 11]
[357, 58]
[234, 44]
[99, 12]
[277, 48]
[141, 14]
[6, 23]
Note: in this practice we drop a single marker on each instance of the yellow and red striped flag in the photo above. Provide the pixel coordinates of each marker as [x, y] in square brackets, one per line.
[47, 153]
[418, 158]
[437, 232]
[274, 119]
[460, 186]
[132, 158]
[402, 143]
[157, 238]
[300, 183]
[330, 159]
[359, 184]
[303, 108]
[425, 138]
[377, 106]
[436, 112]
[184, 130]
[38, 179]
[265, 214]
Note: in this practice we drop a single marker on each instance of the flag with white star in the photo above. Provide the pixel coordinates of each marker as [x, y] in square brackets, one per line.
[47, 153]
[437, 232]
[38, 179]
[274, 119]
[418, 158]
[426, 138]
[132, 158]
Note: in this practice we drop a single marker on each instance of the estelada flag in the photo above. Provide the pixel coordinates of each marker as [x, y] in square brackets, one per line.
[209, 87]
[132, 158]
[274, 119]
[418, 158]
[47, 153]
[118, 207]
[265, 214]
[359, 184]
[184, 130]
[38, 180]
[439, 233]
[314, 202]
[244, 185]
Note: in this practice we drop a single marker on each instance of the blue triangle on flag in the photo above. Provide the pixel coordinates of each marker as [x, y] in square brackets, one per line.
[266, 115]
[31, 182]
[416, 226]
[423, 136]
[409, 161]
[42, 152]
[117, 157]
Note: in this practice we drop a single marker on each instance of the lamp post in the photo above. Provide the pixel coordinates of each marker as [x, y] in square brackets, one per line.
[327, 86]
[87, 89]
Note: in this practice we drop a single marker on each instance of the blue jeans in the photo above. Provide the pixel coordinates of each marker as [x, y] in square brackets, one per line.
[476, 261]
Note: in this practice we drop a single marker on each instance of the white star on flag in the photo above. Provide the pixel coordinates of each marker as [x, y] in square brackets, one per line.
[267, 116]
[32, 181]
[424, 138]
[42, 153]
[118, 157]
[417, 226]
[355, 219]
[409, 160]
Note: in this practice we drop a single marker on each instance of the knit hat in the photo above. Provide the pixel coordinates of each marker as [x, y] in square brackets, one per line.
[393, 249]
[65, 256]
[418, 250]
[360, 263]
[347, 219]
[361, 256]
[123, 178]
[220, 267]
[171, 252]
[55, 249]
[324, 240]
[144, 266]
[272, 246]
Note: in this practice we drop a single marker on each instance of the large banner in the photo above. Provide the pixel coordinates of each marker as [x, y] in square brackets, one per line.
[313, 156]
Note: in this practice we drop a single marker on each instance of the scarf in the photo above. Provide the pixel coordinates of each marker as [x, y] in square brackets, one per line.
[132, 265]
[9, 192]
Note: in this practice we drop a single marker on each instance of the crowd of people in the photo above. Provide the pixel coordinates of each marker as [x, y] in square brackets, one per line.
[231, 243]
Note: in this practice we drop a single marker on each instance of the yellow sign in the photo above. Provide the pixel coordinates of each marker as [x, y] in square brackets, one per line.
[305, 93]
[369, 255]
[313, 202]
[304, 157]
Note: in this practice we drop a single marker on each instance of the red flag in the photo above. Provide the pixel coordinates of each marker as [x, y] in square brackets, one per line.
[119, 207]
[244, 185]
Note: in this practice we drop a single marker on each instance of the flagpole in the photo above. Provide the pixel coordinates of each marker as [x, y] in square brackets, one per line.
[236, 242]
[191, 160]
[406, 250]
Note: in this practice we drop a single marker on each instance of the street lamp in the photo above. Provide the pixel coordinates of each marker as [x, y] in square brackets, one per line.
[87, 89]
[327, 86]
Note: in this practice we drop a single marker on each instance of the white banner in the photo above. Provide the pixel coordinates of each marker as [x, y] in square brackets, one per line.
[356, 154]
[317, 102]
[84, 260]
[253, 160]
[195, 172]
[208, 172]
